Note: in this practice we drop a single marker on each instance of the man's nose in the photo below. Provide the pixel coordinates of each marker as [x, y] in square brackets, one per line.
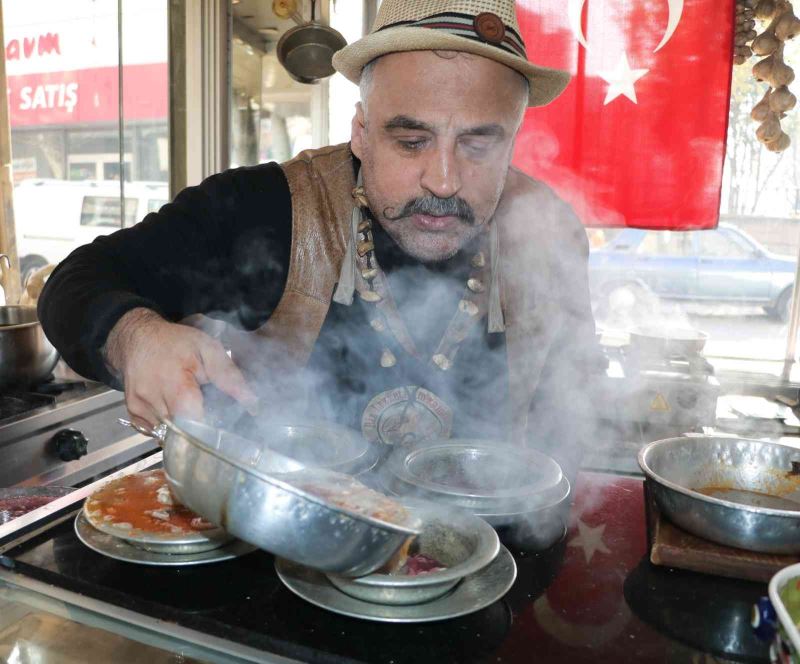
[441, 176]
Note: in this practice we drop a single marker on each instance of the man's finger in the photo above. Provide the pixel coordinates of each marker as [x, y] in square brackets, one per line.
[140, 411]
[184, 398]
[222, 372]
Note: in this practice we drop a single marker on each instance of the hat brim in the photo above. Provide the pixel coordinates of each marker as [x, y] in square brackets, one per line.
[545, 83]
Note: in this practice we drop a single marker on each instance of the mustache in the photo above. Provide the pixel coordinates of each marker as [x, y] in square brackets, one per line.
[434, 207]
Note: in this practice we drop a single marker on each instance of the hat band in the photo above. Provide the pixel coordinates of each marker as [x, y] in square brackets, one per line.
[463, 25]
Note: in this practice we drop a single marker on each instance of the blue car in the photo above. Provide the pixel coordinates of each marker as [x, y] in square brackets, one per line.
[718, 266]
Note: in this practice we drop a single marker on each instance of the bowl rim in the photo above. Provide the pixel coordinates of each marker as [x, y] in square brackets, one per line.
[488, 549]
[366, 457]
[274, 480]
[398, 465]
[19, 326]
[696, 495]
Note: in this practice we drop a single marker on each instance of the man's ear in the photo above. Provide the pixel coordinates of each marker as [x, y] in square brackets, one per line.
[358, 131]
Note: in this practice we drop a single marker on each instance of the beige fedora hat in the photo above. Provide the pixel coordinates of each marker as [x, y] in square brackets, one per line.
[483, 27]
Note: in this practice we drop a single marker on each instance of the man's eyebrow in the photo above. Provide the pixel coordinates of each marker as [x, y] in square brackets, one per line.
[405, 122]
[495, 130]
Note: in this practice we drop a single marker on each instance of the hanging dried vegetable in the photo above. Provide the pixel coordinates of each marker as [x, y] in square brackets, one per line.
[782, 25]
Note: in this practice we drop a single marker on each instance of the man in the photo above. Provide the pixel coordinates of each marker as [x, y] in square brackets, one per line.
[410, 284]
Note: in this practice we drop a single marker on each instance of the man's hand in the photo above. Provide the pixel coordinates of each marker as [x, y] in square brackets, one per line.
[163, 365]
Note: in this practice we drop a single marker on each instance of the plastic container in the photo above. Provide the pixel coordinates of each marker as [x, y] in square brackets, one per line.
[786, 645]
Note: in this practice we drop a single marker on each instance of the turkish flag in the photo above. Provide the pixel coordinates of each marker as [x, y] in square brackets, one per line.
[638, 137]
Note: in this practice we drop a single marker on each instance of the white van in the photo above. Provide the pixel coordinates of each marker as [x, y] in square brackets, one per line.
[53, 217]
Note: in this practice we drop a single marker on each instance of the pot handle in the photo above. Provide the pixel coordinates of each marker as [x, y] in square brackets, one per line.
[159, 433]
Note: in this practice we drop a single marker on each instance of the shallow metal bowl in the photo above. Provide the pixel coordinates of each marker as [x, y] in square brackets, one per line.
[676, 468]
[317, 445]
[482, 476]
[464, 543]
[668, 342]
[232, 482]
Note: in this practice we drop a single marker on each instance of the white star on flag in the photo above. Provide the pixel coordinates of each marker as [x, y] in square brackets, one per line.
[621, 79]
[590, 540]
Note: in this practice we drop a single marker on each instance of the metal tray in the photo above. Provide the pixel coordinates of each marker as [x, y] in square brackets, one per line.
[118, 549]
[464, 543]
[474, 593]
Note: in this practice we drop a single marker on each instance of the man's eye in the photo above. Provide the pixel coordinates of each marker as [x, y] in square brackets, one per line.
[476, 146]
[411, 143]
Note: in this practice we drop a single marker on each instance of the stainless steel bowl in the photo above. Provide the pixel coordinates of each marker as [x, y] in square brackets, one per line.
[482, 476]
[677, 467]
[318, 445]
[26, 356]
[668, 342]
[459, 540]
[230, 481]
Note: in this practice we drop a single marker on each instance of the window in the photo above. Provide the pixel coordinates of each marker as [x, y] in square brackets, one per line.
[663, 243]
[106, 211]
[71, 147]
[719, 245]
[154, 204]
[734, 283]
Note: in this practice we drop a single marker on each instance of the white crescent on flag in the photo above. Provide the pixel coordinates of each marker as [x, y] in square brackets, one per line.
[675, 14]
[575, 11]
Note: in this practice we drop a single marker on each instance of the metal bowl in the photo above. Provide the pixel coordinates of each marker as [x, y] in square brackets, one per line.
[676, 468]
[317, 445]
[482, 476]
[668, 342]
[26, 355]
[229, 481]
[459, 540]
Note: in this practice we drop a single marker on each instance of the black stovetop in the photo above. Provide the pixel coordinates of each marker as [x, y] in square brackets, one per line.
[23, 402]
[668, 615]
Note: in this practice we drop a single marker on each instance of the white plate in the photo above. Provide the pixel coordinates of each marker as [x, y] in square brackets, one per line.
[113, 547]
[474, 593]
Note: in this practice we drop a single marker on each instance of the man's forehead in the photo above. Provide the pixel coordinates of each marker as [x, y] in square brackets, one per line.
[420, 82]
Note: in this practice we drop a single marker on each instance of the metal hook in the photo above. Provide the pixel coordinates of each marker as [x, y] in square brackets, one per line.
[159, 432]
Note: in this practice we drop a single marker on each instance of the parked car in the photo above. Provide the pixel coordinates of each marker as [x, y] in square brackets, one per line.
[53, 217]
[724, 265]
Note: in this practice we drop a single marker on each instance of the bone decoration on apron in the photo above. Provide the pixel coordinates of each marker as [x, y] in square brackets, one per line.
[408, 414]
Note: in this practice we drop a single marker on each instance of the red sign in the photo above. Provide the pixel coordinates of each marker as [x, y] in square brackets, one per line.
[88, 95]
[28, 47]
[638, 137]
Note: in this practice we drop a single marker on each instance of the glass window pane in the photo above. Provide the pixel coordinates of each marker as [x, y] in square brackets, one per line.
[62, 61]
[715, 243]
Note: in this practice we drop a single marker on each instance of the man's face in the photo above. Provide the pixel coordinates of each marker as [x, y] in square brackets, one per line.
[435, 138]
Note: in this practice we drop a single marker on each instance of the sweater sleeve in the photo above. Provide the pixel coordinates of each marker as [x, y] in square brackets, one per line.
[221, 248]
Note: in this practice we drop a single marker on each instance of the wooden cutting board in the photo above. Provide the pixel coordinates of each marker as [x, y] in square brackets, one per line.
[671, 546]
